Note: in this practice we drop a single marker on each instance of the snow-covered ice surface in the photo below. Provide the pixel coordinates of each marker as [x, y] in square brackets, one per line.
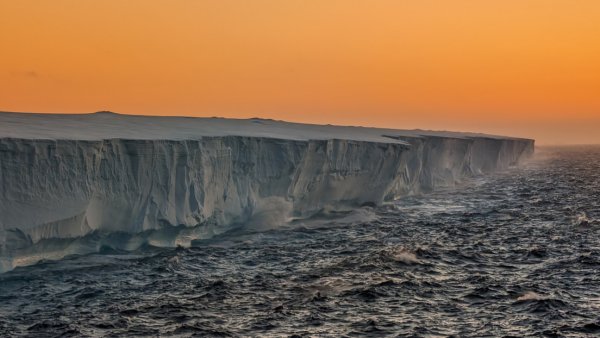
[108, 125]
[170, 180]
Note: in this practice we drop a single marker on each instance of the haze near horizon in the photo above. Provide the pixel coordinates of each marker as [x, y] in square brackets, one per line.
[519, 68]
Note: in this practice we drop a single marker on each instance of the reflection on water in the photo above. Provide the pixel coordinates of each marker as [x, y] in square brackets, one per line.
[513, 254]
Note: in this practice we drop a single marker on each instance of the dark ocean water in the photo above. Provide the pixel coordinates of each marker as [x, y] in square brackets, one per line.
[514, 254]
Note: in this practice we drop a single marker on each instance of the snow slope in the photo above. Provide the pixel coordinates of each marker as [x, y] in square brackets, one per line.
[65, 176]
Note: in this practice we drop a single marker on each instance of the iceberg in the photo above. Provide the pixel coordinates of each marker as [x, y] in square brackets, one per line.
[67, 176]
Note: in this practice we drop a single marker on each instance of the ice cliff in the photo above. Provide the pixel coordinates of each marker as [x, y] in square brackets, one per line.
[66, 176]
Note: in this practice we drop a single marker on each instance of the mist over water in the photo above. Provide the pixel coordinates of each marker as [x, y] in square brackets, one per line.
[516, 253]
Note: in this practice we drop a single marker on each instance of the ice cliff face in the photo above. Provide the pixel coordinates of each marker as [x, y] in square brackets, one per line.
[52, 186]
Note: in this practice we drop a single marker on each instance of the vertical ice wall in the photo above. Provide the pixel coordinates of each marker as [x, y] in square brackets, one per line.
[68, 188]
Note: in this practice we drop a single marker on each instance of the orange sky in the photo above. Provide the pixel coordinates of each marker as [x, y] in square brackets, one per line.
[518, 67]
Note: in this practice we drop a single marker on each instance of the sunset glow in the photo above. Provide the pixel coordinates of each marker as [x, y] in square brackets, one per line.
[526, 68]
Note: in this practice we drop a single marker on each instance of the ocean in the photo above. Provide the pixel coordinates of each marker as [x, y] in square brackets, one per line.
[516, 253]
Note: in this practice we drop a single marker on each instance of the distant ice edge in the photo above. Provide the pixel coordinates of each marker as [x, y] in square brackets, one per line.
[70, 188]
